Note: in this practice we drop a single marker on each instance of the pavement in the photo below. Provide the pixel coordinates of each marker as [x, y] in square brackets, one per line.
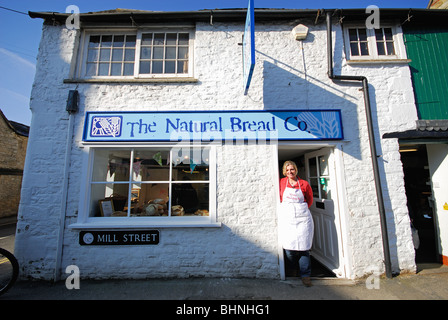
[429, 284]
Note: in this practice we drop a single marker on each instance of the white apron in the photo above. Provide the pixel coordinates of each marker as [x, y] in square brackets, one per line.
[296, 225]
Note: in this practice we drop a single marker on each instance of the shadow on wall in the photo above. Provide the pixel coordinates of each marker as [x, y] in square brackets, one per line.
[285, 87]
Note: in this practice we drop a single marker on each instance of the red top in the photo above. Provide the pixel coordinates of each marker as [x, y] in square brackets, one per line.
[304, 186]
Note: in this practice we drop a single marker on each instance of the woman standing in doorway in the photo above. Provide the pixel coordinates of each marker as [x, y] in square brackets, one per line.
[295, 221]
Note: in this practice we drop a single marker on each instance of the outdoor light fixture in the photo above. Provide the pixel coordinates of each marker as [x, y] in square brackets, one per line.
[300, 32]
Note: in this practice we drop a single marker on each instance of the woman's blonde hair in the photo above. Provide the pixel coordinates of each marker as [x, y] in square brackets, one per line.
[289, 163]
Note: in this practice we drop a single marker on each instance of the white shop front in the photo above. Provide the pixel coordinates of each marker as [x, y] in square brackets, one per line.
[148, 171]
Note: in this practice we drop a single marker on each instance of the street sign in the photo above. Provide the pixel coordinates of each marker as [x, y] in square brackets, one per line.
[249, 46]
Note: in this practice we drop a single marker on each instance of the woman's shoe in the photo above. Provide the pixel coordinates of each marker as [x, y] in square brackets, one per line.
[306, 281]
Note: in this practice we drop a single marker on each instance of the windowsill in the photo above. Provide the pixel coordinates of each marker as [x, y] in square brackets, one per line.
[141, 223]
[139, 80]
[378, 61]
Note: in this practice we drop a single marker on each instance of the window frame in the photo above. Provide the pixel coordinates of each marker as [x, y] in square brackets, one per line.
[397, 36]
[81, 66]
[84, 221]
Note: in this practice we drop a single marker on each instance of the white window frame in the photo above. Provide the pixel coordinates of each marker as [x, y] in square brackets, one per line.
[397, 35]
[87, 33]
[84, 221]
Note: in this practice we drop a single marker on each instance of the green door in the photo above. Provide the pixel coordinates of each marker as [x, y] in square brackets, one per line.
[428, 50]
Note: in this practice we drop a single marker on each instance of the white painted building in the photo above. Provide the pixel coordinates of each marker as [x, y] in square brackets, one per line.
[148, 79]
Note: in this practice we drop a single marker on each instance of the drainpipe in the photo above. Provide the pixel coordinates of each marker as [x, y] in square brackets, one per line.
[376, 174]
[72, 109]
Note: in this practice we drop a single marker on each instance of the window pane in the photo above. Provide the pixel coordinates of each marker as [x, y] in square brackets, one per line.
[110, 165]
[92, 55]
[115, 69]
[190, 199]
[159, 39]
[353, 34]
[91, 69]
[170, 53]
[390, 48]
[364, 49]
[379, 34]
[103, 69]
[312, 167]
[116, 192]
[380, 48]
[190, 164]
[157, 67]
[323, 165]
[354, 49]
[171, 39]
[182, 67]
[170, 67]
[149, 199]
[145, 53]
[117, 55]
[158, 53]
[94, 41]
[146, 39]
[388, 34]
[362, 34]
[183, 53]
[128, 69]
[315, 187]
[130, 41]
[324, 188]
[183, 39]
[150, 165]
[145, 67]
[129, 55]
[106, 41]
[118, 41]
[105, 55]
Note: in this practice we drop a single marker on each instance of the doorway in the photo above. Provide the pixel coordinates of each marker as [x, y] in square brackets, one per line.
[420, 202]
[316, 165]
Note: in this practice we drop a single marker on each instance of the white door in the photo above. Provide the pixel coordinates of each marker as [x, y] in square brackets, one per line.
[321, 174]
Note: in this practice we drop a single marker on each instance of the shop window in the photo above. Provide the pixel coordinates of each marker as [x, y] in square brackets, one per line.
[385, 43]
[155, 183]
[139, 54]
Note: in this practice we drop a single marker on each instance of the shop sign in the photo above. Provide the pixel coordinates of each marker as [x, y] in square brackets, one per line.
[121, 237]
[213, 126]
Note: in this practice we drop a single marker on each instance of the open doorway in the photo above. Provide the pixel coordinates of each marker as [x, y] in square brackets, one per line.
[420, 203]
[307, 158]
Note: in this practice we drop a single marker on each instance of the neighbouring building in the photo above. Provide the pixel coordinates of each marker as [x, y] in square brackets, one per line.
[13, 142]
[150, 157]
[424, 148]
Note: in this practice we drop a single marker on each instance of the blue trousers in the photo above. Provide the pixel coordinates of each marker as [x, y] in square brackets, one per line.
[300, 260]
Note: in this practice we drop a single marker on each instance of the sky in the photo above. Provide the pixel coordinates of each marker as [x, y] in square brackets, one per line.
[20, 35]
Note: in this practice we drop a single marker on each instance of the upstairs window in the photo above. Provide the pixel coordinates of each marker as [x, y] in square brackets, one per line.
[110, 55]
[373, 44]
[142, 54]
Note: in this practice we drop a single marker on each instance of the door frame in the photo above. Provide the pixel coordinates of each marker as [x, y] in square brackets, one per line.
[340, 202]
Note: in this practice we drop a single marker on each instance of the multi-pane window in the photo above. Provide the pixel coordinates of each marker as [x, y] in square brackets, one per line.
[139, 54]
[111, 55]
[152, 182]
[384, 42]
[164, 53]
[358, 42]
[364, 43]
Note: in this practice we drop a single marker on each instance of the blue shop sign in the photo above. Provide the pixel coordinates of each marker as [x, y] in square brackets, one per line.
[210, 126]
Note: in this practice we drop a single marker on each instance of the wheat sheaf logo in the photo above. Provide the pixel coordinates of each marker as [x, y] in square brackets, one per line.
[106, 126]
